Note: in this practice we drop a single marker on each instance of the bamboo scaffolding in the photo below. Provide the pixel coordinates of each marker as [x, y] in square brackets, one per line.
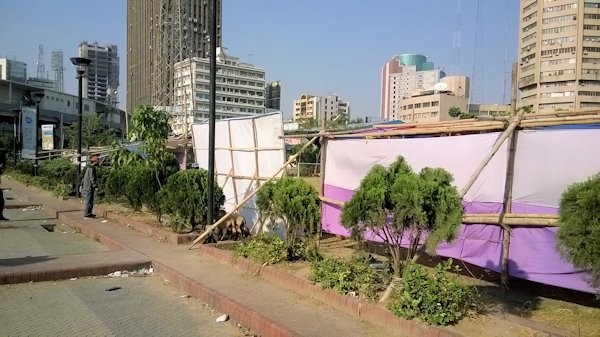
[232, 163]
[511, 219]
[211, 227]
[425, 129]
[248, 149]
[508, 188]
[256, 169]
[489, 156]
[241, 177]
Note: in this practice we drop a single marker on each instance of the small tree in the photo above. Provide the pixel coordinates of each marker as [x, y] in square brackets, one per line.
[296, 203]
[418, 204]
[93, 131]
[579, 231]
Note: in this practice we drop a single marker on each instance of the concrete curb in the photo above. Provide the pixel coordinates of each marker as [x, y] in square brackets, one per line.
[159, 233]
[39, 273]
[362, 309]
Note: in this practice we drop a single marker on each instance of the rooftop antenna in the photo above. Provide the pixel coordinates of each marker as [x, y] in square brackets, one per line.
[477, 81]
[41, 69]
[456, 41]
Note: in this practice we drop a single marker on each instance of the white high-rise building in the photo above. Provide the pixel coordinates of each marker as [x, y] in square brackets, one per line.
[240, 89]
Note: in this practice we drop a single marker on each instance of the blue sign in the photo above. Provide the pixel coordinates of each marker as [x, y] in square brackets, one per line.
[29, 129]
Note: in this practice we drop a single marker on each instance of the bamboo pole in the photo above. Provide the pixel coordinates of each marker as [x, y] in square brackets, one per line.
[513, 124]
[247, 149]
[211, 227]
[508, 188]
[232, 163]
[256, 167]
[241, 177]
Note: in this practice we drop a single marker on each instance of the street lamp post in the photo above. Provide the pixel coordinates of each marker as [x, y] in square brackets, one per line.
[81, 64]
[37, 98]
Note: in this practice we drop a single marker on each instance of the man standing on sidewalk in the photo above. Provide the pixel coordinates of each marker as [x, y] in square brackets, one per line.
[89, 186]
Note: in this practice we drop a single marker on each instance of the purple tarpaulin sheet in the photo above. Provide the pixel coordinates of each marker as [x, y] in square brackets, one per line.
[533, 255]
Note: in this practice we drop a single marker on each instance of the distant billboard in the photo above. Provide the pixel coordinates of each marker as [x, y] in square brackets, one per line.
[47, 137]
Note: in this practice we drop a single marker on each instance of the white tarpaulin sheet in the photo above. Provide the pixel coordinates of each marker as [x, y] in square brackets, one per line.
[349, 161]
[239, 142]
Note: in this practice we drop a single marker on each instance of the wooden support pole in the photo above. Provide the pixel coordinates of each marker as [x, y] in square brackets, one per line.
[232, 164]
[508, 188]
[211, 227]
[257, 170]
[486, 160]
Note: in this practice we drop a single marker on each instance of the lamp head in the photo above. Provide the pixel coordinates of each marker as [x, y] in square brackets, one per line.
[37, 96]
[80, 63]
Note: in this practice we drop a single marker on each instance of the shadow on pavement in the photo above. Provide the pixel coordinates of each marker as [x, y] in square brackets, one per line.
[19, 261]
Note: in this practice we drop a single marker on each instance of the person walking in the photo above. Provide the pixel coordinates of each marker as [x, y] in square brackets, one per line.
[89, 186]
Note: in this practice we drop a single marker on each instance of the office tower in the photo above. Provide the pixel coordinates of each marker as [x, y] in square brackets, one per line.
[102, 75]
[403, 75]
[161, 33]
[559, 54]
[273, 95]
[13, 70]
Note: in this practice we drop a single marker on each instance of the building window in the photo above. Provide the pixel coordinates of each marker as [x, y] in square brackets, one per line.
[86, 107]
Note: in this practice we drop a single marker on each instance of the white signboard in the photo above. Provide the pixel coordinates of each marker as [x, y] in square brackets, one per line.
[29, 132]
[47, 137]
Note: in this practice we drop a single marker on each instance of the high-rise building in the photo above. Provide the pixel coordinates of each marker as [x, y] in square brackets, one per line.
[401, 77]
[240, 90]
[559, 55]
[315, 107]
[102, 75]
[159, 34]
[13, 70]
[273, 95]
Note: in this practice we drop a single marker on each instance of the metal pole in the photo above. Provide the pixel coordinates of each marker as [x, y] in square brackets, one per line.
[80, 108]
[15, 139]
[211, 112]
[37, 127]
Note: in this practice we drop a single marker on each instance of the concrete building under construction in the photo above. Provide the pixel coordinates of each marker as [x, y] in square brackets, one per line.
[159, 34]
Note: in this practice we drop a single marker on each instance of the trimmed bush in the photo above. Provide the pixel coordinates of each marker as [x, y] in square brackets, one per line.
[579, 231]
[186, 194]
[263, 249]
[439, 299]
[353, 276]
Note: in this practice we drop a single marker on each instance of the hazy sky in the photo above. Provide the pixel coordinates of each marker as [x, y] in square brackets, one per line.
[311, 46]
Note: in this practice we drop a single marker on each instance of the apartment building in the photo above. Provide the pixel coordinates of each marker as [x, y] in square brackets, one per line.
[240, 88]
[559, 55]
[317, 107]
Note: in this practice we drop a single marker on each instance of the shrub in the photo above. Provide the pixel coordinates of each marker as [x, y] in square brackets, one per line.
[185, 195]
[296, 203]
[62, 190]
[114, 187]
[353, 276]
[141, 188]
[579, 231]
[59, 171]
[263, 249]
[439, 299]
[424, 203]
[25, 167]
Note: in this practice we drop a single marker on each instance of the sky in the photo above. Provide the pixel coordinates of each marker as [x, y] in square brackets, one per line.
[317, 47]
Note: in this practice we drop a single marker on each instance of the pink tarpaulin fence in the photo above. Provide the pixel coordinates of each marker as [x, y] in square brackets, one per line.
[547, 161]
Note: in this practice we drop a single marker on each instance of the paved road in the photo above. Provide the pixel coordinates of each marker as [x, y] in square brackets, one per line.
[142, 306]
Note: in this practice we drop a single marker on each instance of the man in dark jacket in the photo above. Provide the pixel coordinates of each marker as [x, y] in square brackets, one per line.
[89, 185]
